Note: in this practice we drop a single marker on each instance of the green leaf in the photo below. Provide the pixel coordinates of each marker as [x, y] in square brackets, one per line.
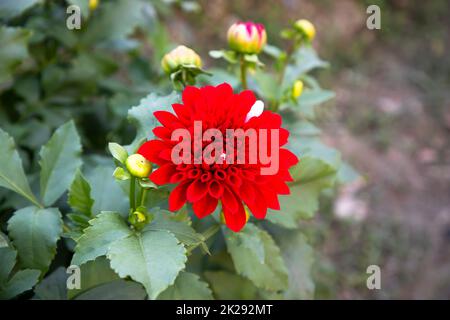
[121, 174]
[34, 233]
[312, 175]
[118, 152]
[230, 286]
[187, 286]
[13, 51]
[265, 269]
[4, 241]
[53, 287]
[153, 258]
[310, 99]
[142, 115]
[11, 8]
[21, 281]
[93, 273]
[60, 158]
[115, 290]
[8, 258]
[106, 26]
[106, 228]
[106, 191]
[299, 258]
[80, 195]
[184, 233]
[12, 175]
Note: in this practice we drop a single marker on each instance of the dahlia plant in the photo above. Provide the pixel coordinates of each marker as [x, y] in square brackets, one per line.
[206, 202]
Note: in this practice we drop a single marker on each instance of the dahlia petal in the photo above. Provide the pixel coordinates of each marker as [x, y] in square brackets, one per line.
[205, 206]
[190, 95]
[196, 190]
[162, 133]
[215, 189]
[177, 197]
[235, 220]
[167, 119]
[163, 174]
[229, 199]
[287, 158]
[151, 149]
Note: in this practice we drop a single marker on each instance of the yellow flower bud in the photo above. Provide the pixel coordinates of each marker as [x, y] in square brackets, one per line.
[306, 28]
[297, 89]
[138, 166]
[222, 216]
[140, 217]
[247, 37]
[178, 57]
[93, 4]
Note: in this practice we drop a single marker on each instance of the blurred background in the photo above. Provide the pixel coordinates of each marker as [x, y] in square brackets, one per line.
[390, 120]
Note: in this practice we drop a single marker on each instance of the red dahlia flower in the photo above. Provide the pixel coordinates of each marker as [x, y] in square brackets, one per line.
[232, 183]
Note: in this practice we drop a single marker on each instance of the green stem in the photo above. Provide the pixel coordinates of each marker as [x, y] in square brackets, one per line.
[243, 73]
[206, 235]
[133, 193]
[143, 196]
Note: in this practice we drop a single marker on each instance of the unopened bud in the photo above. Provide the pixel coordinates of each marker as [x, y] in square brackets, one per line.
[138, 166]
[247, 37]
[178, 57]
[306, 28]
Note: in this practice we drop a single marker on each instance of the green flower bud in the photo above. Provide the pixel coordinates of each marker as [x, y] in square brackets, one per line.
[178, 57]
[247, 37]
[138, 166]
[306, 28]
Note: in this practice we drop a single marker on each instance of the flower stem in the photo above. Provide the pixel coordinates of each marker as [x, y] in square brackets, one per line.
[143, 196]
[243, 73]
[133, 193]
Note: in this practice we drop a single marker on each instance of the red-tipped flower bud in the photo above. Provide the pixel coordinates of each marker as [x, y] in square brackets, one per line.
[247, 37]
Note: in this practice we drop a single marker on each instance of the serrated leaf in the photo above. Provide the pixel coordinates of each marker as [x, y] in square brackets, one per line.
[12, 175]
[80, 195]
[153, 258]
[53, 287]
[34, 233]
[184, 233]
[271, 273]
[142, 115]
[187, 286]
[106, 228]
[60, 158]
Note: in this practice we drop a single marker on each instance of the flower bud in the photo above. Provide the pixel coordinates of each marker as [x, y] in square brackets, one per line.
[222, 216]
[247, 37]
[178, 57]
[297, 89]
[138, 166]
[93, 4]
[306, 28]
